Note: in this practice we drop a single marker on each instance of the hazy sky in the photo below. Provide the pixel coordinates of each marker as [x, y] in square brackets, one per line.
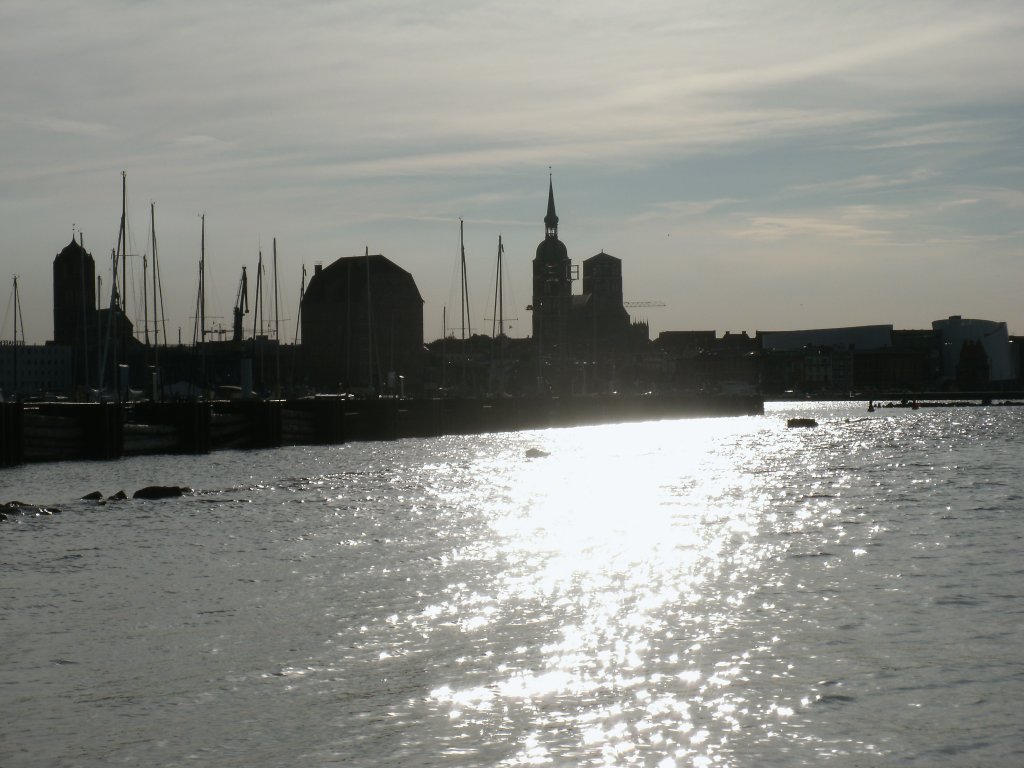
[755, 165]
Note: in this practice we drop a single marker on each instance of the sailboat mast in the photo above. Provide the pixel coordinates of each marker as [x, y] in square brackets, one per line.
[298, 322]
[121, 238]
[152, 250]
[202, 281]
[302, 296]
[277, 331]
[17, 318]
[158, 291]
[369, 321]
[257, 316]
[465, 285]
[499, 298]
[199, 333]
[277, 334]
[501, 291]
[145, 303]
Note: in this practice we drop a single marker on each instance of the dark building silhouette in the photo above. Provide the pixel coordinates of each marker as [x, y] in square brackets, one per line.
[972, 368]
[604, 309]
[74, 293]
[552, 287]
[583, 342]
[74, 308]
[362, 327]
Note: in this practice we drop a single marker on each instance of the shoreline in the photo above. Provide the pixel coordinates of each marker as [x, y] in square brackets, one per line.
[46, 432]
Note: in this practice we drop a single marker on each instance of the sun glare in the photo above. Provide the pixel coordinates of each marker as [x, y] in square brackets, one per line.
[633, 555]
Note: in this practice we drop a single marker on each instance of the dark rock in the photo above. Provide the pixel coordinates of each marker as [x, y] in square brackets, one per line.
[94, 496]
[119, 496]
[801, 422]
[536, 453]
[12, 508]
[160, 492]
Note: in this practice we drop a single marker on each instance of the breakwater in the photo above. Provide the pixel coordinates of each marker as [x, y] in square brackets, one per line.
[33, 432]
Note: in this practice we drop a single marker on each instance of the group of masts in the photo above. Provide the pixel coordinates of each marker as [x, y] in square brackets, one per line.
[498, 315]
[118, 330]
[155, 328]
[497, 319]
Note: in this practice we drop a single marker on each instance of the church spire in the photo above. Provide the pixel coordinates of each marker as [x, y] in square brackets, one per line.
[551, 220]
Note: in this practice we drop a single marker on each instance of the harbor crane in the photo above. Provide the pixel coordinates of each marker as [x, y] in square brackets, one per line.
[241, 306]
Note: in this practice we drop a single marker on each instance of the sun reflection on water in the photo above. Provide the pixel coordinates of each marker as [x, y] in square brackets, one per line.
[630, 561]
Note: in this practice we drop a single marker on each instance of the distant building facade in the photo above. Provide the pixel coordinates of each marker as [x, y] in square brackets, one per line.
[600, 318]
[968, 346]
[362, 327]
[31, 370]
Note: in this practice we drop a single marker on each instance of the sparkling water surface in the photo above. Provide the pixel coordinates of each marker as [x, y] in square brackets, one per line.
[712, 592]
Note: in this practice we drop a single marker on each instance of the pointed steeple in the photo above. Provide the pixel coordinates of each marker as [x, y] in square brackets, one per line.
[551, 220]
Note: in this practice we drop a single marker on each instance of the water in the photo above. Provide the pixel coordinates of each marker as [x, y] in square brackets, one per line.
[722, 592]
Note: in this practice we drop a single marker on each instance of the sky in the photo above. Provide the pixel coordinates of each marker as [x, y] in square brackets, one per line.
[755, 165]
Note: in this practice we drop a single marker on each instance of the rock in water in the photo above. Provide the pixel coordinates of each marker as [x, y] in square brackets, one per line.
[536, 453]
[94, 496]
[119, 496]
[14, 508]
[801, 422]
[160, 492]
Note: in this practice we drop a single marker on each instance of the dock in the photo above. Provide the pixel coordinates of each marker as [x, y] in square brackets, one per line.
[63, 431]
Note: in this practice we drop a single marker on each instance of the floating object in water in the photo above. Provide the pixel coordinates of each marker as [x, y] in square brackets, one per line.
[801, 422]
[536, 453]
[160, 492]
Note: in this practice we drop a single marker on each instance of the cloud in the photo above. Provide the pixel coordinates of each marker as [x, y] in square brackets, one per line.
[758, 126]
[864, 183]
[771, 228]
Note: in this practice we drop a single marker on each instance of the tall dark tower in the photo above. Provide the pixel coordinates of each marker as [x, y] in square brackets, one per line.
[552, 286]
[74, 305]
[74, 294]
[606, 323]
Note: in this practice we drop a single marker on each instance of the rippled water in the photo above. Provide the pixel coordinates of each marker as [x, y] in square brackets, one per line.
[690, 593]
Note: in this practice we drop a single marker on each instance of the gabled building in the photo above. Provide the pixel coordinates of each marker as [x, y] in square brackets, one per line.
[362, 327]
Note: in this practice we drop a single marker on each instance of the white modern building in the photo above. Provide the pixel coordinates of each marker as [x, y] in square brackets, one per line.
[993, 337]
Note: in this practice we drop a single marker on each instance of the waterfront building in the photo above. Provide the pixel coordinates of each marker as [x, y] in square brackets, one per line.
[856, 337]
[33, 370]
[984, 342]
[362, 327]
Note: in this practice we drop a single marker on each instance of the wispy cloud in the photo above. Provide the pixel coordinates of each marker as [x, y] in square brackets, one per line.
[867, 182]
[774, 228]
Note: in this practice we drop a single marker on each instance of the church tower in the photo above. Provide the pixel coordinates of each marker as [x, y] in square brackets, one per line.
[552, 287]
